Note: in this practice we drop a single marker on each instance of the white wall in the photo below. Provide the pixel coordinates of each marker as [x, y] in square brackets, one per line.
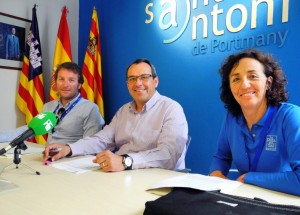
[48, 15]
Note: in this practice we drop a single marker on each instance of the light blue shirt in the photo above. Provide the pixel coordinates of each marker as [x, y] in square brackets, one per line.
[279, 164]
[154, 137]
[12, 46]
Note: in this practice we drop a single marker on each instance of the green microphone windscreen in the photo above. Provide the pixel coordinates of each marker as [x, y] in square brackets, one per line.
[43, 123]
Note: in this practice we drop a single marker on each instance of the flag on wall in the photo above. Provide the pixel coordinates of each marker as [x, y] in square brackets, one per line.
[30, 98]
[92, 73]
[62, 52]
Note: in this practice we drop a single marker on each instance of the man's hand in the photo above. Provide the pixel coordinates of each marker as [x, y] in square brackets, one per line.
[109, 162]
[56, 151]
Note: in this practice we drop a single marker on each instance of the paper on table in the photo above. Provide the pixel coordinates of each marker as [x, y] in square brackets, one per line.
[77, 166]
[200, 182]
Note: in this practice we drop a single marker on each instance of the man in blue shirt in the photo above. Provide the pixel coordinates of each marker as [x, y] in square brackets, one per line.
[12, 46]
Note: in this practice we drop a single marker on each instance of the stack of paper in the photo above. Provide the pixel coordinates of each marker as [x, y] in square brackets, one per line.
[77, 166]
[200, 182]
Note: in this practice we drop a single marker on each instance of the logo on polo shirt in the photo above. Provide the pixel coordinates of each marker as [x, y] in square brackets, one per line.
[271, 142]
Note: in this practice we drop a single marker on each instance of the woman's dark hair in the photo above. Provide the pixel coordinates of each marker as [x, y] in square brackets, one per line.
[275, 94]
[143, 60]
[70, 66]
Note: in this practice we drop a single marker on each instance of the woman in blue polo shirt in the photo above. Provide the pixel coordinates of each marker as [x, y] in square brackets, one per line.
[261, 132]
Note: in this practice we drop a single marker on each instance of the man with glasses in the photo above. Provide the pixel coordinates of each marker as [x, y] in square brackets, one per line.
[77, 117]
[151, 131]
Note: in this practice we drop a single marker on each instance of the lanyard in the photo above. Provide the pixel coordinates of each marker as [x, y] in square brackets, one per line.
[262, 141]
[68, 110]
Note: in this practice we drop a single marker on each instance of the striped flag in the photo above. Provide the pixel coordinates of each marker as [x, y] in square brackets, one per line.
[62, 52]
[30, 98]
[92, 73]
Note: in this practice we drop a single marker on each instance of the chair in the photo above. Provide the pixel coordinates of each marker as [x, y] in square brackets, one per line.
[182, 157]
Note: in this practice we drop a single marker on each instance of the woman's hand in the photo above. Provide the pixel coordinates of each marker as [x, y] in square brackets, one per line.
[241, 178]
[218, 173]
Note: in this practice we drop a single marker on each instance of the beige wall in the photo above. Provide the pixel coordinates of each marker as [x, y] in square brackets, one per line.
[48, 15]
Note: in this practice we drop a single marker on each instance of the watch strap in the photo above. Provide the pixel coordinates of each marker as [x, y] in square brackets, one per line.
[125, 156]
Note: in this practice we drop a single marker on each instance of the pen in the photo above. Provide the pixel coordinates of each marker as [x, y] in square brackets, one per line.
[48, 161]
[52, 152]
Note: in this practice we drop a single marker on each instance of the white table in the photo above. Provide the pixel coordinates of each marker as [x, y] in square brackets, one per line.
[60, 192]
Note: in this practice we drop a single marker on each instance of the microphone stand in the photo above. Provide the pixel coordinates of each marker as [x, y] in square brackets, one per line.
[17, 158]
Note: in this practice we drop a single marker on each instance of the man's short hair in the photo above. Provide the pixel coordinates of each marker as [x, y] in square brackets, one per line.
[143, 60]
[70, 66]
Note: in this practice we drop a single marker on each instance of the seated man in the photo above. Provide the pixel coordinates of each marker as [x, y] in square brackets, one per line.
[150, 131]
[77, 117]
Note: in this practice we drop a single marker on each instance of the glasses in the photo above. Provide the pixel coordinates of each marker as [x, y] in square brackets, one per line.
[59, 113]
[143, 78]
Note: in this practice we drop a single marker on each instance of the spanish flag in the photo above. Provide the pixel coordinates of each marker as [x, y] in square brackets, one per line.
[92, 73]
[62, 51]
[30, 98]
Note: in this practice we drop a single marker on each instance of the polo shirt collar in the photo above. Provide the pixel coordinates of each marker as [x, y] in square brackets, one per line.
[242, 121]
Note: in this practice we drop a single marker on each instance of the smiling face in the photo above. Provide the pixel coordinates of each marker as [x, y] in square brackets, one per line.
[67, 85]
[142, 89]
[248, 84]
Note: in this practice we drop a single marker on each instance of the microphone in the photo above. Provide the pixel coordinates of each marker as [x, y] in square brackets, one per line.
[39, 125]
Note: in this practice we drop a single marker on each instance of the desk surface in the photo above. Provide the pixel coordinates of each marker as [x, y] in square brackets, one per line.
[60, 192]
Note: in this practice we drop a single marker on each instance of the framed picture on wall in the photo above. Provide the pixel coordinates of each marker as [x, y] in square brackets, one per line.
[13, 31]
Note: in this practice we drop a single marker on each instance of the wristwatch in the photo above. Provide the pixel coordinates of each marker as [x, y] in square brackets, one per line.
[127, 162]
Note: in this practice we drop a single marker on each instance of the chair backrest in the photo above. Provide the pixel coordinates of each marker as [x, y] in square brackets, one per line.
[182, 157]
[188, 142]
